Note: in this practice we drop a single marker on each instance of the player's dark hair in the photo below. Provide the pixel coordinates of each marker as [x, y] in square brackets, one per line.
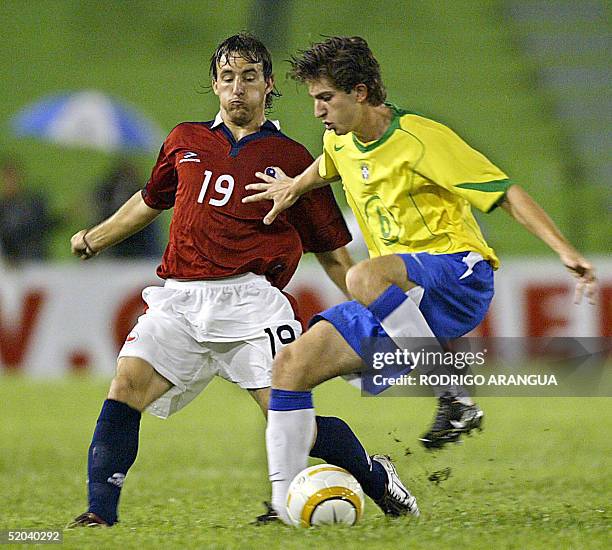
[249, 48]
[345, 62]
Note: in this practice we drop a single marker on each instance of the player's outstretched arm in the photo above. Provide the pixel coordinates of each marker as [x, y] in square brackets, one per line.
[283, 190]
[131, 217]
[519, 204]
[336, 263]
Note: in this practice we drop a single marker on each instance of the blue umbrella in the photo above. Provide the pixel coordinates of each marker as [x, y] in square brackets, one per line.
[88, 119]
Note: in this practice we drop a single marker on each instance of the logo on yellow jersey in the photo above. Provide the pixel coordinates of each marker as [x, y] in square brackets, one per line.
[365, 172]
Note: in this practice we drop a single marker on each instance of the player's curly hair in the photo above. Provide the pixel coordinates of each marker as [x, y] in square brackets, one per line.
[345, 62]
[250, 48]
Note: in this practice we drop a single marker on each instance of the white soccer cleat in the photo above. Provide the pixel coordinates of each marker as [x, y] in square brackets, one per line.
[397, 500]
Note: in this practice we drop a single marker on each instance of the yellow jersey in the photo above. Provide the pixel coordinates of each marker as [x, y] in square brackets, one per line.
[412, 190]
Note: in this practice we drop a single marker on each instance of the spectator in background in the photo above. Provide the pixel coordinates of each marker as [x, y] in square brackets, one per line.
[115, 189]
[25, 220]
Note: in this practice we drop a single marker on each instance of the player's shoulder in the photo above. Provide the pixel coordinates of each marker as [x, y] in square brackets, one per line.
[287, 140]
[421, 125]
[186, 134]
[288, 147]
[410, 120]
[189, 128]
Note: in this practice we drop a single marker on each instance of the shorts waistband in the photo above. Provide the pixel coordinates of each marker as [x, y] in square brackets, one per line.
[244, 278]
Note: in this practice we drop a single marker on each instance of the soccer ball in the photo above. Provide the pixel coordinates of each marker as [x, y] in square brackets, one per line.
[324, 494]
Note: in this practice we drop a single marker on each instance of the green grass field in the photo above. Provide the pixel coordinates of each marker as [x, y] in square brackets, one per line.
[537, 477]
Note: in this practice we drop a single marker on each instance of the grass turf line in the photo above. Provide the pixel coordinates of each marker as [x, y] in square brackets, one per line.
[537, 477]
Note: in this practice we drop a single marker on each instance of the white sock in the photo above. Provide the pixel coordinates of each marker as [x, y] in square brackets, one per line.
[289, 438]
[406, 320]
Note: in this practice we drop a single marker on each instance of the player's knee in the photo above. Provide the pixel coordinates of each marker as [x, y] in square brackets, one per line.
[127, 389]
[136, 383]
[354, 281]
[363, 282]
[289, 370]
[368, 279]
[121, 388]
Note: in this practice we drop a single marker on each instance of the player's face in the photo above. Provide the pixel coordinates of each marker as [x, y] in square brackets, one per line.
[242, 90]
[338, 110]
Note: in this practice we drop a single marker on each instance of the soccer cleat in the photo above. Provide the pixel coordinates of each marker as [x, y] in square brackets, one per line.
[88, 519]
[269, 517]
[452, 419]
[397, 500]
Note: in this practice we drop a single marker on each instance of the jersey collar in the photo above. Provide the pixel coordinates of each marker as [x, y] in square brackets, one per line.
[393, 125]
[267, 125]
[268, 128]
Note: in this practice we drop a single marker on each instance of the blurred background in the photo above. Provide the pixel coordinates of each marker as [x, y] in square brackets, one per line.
[525, 82]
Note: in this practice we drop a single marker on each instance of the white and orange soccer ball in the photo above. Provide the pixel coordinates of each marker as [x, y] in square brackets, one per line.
[324, 494]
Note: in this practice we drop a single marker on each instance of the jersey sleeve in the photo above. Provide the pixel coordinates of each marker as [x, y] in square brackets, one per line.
[160, 191]
[450, 162]
[319, 221]
[327, 168]
[317, 217]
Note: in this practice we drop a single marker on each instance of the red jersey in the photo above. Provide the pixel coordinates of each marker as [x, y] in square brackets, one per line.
[201, 171]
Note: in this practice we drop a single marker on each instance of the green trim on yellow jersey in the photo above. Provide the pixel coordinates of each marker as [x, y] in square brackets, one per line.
[488, 186]
[393, 125]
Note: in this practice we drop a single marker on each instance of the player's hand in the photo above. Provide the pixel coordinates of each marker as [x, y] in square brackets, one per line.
[277, 188]
[79, 246]
[584, 272]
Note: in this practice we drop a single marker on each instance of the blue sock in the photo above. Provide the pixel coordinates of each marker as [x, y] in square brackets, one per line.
[387, 302]
[337, 444]
[285, 400]
[113, 450]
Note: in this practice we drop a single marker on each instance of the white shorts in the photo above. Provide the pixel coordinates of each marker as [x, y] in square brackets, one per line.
[195, 330]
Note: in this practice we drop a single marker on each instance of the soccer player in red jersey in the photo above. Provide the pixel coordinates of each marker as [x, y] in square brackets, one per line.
[222, 310]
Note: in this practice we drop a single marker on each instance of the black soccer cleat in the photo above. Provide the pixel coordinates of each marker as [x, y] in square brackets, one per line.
[269, 517]
[88, 519]
[397, 499]
[452, 419]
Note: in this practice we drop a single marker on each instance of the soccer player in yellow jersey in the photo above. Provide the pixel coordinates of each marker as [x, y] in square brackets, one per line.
[411, 183]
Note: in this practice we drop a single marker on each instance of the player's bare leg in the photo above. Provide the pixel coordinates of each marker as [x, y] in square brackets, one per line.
[318, 355]
[262, 398]
[137, 383]
[115, 441]
[291, 435]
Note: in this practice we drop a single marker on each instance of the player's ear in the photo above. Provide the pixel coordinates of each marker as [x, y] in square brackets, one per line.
[269, 84]
[214, 86]
[361, 93]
